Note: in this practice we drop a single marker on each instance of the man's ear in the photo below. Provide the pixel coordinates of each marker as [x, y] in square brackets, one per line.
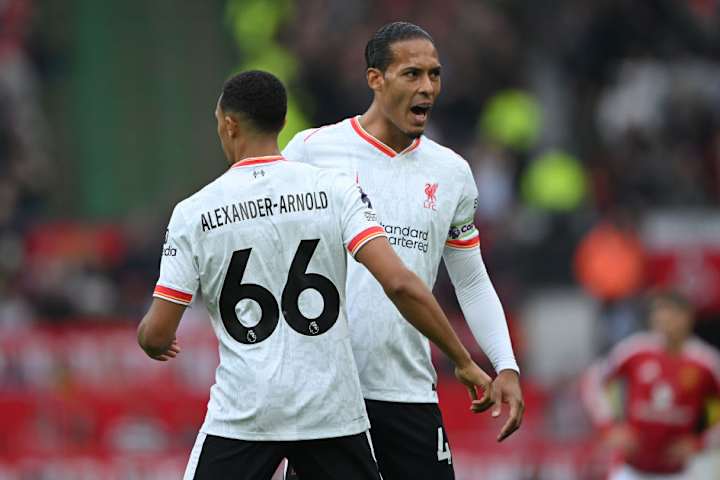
[375, 79]
[231, 126]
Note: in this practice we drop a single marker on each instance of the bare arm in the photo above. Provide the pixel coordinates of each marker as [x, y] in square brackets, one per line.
[156, 332]
[416, 303]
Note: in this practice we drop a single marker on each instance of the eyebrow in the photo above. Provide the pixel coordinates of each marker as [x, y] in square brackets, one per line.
[415, 67]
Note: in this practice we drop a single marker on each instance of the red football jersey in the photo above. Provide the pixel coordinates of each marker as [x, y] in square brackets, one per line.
[664, 396]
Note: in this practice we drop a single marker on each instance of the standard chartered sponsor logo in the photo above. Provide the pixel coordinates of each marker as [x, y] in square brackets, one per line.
[407, 237]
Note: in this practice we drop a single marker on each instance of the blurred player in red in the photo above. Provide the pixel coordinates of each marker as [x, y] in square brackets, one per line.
[669, 377]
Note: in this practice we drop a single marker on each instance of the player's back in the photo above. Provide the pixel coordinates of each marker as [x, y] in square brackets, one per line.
[268, 239]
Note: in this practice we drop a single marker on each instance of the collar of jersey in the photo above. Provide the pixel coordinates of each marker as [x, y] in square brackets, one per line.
[355, 122]
[245, 162]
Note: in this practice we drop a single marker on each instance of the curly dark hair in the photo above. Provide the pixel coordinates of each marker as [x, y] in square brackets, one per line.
[257, 96]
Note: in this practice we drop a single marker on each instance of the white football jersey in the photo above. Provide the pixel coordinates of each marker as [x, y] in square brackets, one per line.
[425, 199]
[264, 246]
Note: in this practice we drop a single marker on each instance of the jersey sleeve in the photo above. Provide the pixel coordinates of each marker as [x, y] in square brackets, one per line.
[179, 279]
[481, 306]
[710, 436]
[359, 223]
[296, 150]
[463, 235]
[594, 384]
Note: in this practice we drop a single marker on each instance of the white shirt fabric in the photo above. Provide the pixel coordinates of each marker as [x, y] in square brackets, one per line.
[425, 198]
[626, 472]
[264, 246]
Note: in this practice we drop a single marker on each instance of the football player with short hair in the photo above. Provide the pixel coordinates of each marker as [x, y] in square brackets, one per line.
[264, 246]
[668, 376]
[425, 196]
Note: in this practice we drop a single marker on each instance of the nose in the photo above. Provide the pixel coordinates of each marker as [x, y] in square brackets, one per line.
[426, 85]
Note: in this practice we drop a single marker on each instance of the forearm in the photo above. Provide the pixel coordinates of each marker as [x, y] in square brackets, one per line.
[481, 306]
[416, 303]
[156, 331]
[593, 395]
[152, 343]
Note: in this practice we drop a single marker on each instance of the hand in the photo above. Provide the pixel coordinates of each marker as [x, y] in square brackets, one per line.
[171, 352]
[623, 439]
[683, 449]
[506, 388]
[472, 377]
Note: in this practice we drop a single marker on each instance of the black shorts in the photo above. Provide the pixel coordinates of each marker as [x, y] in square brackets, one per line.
[341, 458]
[409, 442]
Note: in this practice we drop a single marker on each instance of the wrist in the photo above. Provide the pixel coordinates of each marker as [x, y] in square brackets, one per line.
[509, 371]
[463, 360]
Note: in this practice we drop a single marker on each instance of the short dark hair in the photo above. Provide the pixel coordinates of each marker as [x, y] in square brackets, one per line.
[377, 51]
[670, 298]
[259, 97]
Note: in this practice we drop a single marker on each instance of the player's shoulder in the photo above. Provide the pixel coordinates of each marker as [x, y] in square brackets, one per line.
[309, 173]
[637, 344]
[335, 179]
[197, 200]
[444, 156]
[324, 134]
[703, 353]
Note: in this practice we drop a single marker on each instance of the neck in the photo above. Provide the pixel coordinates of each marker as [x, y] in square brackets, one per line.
[260, 147]
[674, 345]
[379, 126]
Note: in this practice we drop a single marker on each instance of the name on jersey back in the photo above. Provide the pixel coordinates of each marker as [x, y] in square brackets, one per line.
[263, 207]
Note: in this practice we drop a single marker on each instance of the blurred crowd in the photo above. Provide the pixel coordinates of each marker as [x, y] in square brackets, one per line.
[592, 128]
[573, 115]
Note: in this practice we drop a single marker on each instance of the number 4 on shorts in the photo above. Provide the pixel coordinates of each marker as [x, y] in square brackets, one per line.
[443, 452]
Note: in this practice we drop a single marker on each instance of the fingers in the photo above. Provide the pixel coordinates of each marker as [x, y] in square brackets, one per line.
[171, 352]
[484, 403]
[514, 420]
[473, 378]
[497, 401]
[472, 391]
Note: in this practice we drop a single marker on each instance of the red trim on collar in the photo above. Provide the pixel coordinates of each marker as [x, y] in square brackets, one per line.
[355, 123]
[245, 162]
[415, 144]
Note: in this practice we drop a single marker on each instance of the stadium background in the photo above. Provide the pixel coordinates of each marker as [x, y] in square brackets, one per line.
[592, 126]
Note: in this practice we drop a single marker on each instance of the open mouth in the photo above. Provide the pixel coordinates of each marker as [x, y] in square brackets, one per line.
[421, 111]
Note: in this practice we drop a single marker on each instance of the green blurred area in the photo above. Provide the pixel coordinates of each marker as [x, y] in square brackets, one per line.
[254, 25]
[131, 108]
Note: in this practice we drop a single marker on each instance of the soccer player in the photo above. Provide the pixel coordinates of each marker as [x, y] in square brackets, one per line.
[425, 197]
[668, 377]
[264, 246]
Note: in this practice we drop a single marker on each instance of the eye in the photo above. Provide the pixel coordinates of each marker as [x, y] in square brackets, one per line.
[435, 74]
[411, 73]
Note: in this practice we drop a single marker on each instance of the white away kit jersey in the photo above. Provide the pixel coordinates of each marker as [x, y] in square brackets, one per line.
[425, 198]
[264, 246]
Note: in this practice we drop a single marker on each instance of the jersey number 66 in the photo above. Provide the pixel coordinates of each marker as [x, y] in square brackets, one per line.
[298, 280]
